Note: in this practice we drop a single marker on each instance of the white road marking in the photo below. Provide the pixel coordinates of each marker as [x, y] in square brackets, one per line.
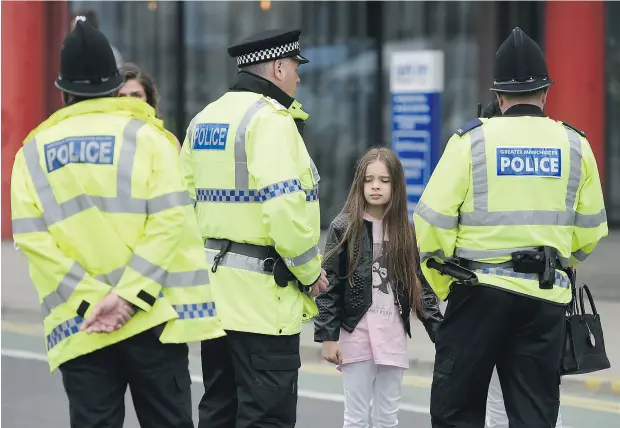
[304, 393]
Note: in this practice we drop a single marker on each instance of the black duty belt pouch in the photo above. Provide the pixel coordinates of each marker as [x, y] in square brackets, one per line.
[281, 273]
[540, 261]
[461, 274]
[529, 261]
[283, 276]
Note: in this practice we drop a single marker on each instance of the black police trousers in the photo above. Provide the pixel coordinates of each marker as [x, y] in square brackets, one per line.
[157, 375]
[486, 327]
[250, 380]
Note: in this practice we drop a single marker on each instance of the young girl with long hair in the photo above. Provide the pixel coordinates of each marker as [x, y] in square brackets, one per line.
[371, 263]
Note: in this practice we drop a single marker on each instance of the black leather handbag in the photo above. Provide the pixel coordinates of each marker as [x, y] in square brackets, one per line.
[584, 346]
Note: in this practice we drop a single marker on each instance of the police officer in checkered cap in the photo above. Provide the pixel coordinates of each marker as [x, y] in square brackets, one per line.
[267, 46]
[255, 190]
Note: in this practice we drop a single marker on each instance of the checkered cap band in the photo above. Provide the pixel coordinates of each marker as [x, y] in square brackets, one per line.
[267, 54]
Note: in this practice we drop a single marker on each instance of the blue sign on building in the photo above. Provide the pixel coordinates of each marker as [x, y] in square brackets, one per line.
[416, 84]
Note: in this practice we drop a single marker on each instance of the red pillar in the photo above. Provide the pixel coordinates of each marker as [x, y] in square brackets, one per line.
[575, 51]
[57, 22]
[31, 38]
[23, 73]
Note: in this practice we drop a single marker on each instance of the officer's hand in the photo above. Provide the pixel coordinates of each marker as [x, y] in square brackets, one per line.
[110, 314]
[331, 352]
[320, 285]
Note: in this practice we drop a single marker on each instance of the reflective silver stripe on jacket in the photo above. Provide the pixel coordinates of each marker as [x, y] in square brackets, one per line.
[561, 279]
[28, 225]
[145, 268]
[580, 255]
[481, 215]
[54, 212]
[242, 176]
[158, 274]
[239, 261]
[168, 279]
[431, 216]
[315, 172]
[65, 289]
[303, 258]
[242, 193]
[424, 256]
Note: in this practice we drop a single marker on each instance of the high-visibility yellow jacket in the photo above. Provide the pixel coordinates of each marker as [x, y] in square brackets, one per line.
[506, 184]
[99, 205]
[253, 181]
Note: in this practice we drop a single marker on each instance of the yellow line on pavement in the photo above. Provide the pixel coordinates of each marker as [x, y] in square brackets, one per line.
[408, 380]
[21, 328]
[591, 404]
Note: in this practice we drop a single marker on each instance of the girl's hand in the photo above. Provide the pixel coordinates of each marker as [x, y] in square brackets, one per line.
[331, 352]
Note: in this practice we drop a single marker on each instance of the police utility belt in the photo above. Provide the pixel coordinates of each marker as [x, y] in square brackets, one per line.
[542, 261]
[266, 255]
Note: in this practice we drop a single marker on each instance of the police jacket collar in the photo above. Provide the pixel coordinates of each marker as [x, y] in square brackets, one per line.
[524, 110]
[118, 106]
[249, 82]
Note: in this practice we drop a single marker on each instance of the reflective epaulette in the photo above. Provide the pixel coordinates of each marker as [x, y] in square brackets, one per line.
[578, 131]
[472, 124]
[275, 104]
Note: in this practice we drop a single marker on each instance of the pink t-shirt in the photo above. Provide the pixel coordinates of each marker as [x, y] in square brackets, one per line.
[380, 334]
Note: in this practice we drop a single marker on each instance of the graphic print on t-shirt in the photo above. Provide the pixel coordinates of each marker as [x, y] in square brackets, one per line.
[380, 335]
[382, 293]
[379, 277]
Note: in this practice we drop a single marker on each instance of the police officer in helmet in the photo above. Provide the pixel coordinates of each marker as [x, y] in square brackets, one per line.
[520, 75]
[104, 219]
[513, 202]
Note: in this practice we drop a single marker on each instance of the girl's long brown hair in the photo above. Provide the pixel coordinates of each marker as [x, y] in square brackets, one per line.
[401, 247]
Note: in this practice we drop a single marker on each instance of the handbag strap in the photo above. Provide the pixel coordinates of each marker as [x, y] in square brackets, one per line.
[573, 307]
[592, 306]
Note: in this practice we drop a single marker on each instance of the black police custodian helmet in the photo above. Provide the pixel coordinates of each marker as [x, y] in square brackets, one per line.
[268, 46]
[87, 64]
[520, 65]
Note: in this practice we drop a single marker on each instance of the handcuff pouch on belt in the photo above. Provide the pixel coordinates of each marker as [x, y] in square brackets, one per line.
[281, 273]
[541, 261]
[461, 274]
[282, 276]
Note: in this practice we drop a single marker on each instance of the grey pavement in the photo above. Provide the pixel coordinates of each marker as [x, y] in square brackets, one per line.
[27, 385]
[32, 387]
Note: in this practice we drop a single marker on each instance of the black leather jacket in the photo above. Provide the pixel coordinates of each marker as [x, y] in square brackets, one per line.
[343, 305]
